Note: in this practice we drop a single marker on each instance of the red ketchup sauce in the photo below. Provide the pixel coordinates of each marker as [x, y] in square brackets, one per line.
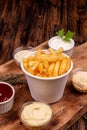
[5, 92]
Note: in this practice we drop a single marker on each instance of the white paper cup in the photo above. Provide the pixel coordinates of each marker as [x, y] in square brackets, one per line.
[47, 90]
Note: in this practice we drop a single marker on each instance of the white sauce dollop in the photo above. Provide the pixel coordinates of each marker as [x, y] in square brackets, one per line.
[56, 42]
[36, 114]
[20, 55]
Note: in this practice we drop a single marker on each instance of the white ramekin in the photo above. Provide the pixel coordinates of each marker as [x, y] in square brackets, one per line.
[56, 42]
[6, 105]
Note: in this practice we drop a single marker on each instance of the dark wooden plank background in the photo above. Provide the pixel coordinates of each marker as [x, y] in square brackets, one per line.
[31, 22]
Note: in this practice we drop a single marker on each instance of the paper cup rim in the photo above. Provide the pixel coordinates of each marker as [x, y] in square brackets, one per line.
[43, 78]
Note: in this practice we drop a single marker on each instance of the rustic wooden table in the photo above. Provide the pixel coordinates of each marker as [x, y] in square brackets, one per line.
[66, 112]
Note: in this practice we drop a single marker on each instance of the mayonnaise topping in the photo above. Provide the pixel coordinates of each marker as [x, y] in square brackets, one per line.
[20, 55]
[36, 114]
[79, 80]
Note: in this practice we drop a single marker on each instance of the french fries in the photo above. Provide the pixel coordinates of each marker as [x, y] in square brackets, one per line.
[47, 64]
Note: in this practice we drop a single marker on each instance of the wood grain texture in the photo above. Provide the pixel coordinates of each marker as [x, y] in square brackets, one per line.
[31, 22]
[66, 112]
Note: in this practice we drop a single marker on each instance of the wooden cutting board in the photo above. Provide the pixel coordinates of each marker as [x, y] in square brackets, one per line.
[65, 112]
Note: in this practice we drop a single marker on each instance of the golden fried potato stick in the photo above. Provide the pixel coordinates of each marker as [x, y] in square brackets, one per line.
[56, 69]
[68, 64]
[63, 66]
[50, 69]
[47, 64]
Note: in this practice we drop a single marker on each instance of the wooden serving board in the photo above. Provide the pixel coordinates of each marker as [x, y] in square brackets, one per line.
[65, 112]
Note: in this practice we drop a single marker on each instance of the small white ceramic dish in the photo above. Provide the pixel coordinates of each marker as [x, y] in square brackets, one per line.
[7, 93]
[56, 42]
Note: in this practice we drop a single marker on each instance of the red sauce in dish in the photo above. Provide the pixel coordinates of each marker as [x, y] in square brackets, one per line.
[5, 92]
